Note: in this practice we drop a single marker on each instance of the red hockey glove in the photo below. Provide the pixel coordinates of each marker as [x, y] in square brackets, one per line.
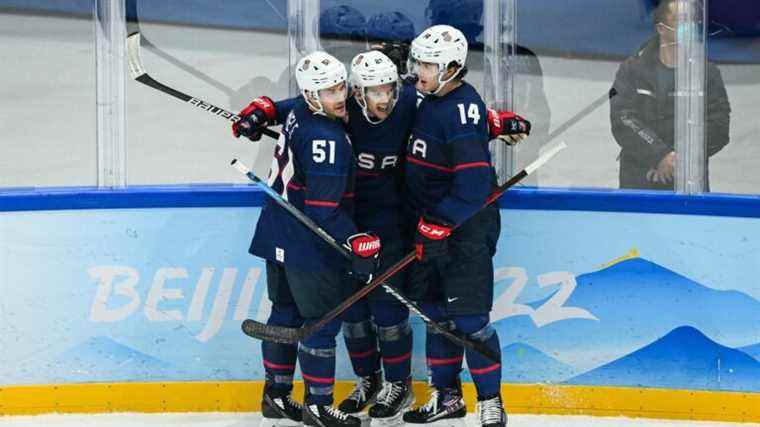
[365, 255]
[259, 114]
[430, 240]
[507, 126]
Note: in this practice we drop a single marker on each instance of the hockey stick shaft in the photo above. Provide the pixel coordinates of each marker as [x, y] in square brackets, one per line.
[572, 121]
[187, 68]
[138, 72]
[412, 255]
[290, 335]
[250, 328]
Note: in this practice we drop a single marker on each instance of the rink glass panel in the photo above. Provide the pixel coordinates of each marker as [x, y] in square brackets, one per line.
[225, 54]
[734, 169]
[47, 98]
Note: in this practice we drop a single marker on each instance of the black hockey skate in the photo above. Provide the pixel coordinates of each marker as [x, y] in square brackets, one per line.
[328, 416]
[279, 410]
[445, 408]
[491, 412]
[364, 394]
[393, 400]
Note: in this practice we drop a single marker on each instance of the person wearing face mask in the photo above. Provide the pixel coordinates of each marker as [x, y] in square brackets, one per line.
[642, 110]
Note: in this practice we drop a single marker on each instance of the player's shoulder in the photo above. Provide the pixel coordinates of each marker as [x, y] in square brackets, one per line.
[462, 113]
[464, 97]
[320, 127]
[465, 93]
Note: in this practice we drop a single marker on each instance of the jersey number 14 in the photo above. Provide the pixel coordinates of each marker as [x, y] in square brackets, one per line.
[472, 113]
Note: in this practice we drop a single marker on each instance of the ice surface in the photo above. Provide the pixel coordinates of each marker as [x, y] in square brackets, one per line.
[253, 419]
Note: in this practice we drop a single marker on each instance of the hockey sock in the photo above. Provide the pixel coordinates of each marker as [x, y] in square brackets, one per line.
[486, 374]
[395, 338]
[280, 359]
[361, 340]
[444, 358]
[317, 358]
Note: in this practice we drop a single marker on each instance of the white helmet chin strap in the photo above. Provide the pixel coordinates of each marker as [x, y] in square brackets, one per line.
[314, 99]
[442, 83]
[362, 100]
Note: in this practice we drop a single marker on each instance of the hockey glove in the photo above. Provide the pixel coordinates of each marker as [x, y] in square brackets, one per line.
[507, 126]
[431, 238]
[365, 255]
[259, 114]
[398, 52]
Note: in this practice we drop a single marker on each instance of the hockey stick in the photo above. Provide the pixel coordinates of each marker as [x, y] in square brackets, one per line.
[249, 326]
[577, 117]
[187, 68]
[285, 334]
[138, 72]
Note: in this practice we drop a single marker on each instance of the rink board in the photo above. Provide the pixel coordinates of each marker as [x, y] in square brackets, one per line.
[607, 303]
[238, 396]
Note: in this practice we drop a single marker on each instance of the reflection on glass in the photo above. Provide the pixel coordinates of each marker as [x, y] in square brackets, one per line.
[642, 108]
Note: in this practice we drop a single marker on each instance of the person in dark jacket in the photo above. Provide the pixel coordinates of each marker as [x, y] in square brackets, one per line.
[642, 109]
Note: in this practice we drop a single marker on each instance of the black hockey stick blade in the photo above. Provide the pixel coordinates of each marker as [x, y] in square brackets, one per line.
[274, 333]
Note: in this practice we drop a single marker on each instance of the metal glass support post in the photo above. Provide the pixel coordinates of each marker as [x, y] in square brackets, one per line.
[499, 34]
[303, 34]
[690, 98]
[110, 68]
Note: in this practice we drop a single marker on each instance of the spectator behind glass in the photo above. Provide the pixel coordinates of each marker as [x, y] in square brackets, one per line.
[642, 112]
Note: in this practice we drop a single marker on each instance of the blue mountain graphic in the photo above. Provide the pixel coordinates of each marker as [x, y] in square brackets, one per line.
[636, 302]
[684, 358]
[103, 359]
[522, 363]
[752, 350]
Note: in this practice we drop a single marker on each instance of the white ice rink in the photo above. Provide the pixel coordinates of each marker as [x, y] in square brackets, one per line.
[252, 420]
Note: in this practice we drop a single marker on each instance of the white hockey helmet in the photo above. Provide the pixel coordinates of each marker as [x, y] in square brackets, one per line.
[370, 69]
[316, 71]
[442, 45]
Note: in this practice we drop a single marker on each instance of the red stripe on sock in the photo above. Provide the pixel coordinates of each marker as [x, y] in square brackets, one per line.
[271, 365]
[485, 370]
[397, 359]
[435, 362]
[320, 380]
[363, 354]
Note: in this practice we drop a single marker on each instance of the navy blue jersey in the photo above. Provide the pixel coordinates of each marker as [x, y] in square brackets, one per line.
[379, 150]
[313, 168]
[448, 165]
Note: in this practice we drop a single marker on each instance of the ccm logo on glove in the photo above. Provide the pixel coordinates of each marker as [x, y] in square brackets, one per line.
[433, 231]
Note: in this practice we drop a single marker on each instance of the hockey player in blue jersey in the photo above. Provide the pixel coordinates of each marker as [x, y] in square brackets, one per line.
[376, 329]
[313, 168]
[447, 181]
[381, 114]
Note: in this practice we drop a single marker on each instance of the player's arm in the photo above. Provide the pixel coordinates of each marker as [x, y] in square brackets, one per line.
[467, 153]
[629, 130]
[262, 112]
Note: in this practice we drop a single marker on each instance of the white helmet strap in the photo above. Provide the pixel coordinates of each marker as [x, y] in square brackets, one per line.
[362, 101]
[441, 81]
[313, 98]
